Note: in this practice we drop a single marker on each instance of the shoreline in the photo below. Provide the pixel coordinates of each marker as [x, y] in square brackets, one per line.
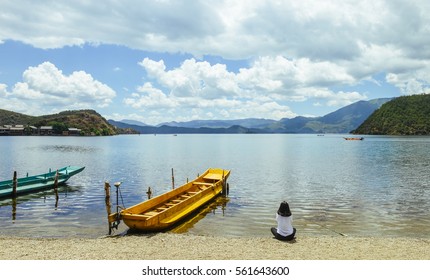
[171, 246]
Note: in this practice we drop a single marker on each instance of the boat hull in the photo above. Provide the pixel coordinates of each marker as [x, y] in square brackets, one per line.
[38, 182]
[165, 211]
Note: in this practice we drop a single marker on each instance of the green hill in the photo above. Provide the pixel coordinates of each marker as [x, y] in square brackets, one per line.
[12, 118]
[406, 115]
[89, 121]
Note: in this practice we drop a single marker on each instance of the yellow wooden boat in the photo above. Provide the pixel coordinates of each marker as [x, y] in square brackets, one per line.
[164, 211]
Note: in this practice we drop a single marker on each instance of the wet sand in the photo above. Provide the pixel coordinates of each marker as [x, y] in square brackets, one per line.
[170, 246]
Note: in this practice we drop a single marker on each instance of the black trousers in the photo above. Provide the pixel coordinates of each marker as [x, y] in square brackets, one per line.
[281, 237]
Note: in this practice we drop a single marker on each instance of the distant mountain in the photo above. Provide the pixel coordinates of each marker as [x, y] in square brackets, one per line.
[341, 121]
[406, 115]
[250, 123]
[89, 121]
[165, 129]
[133, 122]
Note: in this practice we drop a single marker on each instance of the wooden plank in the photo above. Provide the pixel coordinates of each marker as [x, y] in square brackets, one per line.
[150, 214]
[213, 176]
[147, 216]
[203, 183]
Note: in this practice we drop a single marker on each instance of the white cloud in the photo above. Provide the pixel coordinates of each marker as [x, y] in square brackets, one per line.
[328, 30]
[276, 76]
[150, 97]
[47, 89]
[198, 88]
[411, 83]
[3, 90]
[294, 79]
[345, 98]
[192, 78]
[299, 50]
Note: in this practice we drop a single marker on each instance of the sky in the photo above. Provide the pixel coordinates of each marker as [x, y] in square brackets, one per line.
[160, 60]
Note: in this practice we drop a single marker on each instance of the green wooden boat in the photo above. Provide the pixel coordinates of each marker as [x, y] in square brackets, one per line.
[38, 182]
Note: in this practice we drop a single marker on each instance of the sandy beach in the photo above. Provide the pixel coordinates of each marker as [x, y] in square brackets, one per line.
[170, 246]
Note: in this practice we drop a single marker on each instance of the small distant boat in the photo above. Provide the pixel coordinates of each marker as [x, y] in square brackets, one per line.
[38, 182]
[353, 138]
[166, 210]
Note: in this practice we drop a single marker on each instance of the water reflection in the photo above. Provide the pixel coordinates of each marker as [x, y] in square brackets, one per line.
[216, 207]
[64, 148]
[380, 186]
[220, 203]
[38, 200]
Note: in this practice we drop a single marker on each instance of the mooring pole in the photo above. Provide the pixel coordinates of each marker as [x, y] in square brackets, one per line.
[14, 184]
[173, 180]
[149, 193]
[107, 198]
[13, 209]
[108, 206]
[224, 188]
[56, 188]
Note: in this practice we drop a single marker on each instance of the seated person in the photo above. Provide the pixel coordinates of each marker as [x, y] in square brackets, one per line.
[285, 230]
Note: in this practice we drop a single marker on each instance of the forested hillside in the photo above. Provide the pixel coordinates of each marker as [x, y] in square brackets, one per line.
[406, 115]
[88, 121]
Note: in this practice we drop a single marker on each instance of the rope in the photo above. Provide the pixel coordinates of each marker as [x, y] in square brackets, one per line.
[340, 233]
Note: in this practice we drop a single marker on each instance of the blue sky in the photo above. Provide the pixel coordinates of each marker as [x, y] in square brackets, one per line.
[159, 61]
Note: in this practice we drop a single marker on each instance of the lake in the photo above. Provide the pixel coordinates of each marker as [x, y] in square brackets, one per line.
[376, 187]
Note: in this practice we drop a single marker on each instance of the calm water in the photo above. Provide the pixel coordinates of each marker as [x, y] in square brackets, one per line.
[379, 186]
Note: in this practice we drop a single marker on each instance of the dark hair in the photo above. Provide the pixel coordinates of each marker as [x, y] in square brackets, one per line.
[284, 209]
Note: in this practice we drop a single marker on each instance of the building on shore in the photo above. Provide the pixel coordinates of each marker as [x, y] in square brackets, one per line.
[73, 131]
[46, 130]
[17, 130]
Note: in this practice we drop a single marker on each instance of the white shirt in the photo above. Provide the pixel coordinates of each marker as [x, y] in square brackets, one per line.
[285, 225]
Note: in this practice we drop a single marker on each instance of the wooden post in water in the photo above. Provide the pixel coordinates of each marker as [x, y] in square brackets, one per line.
[14, 184]
[224, 189]
[173, 180]
[13, 209]
[225, 185]
[107, 202]
[149, 193]
[107, 198]
[56, 188]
